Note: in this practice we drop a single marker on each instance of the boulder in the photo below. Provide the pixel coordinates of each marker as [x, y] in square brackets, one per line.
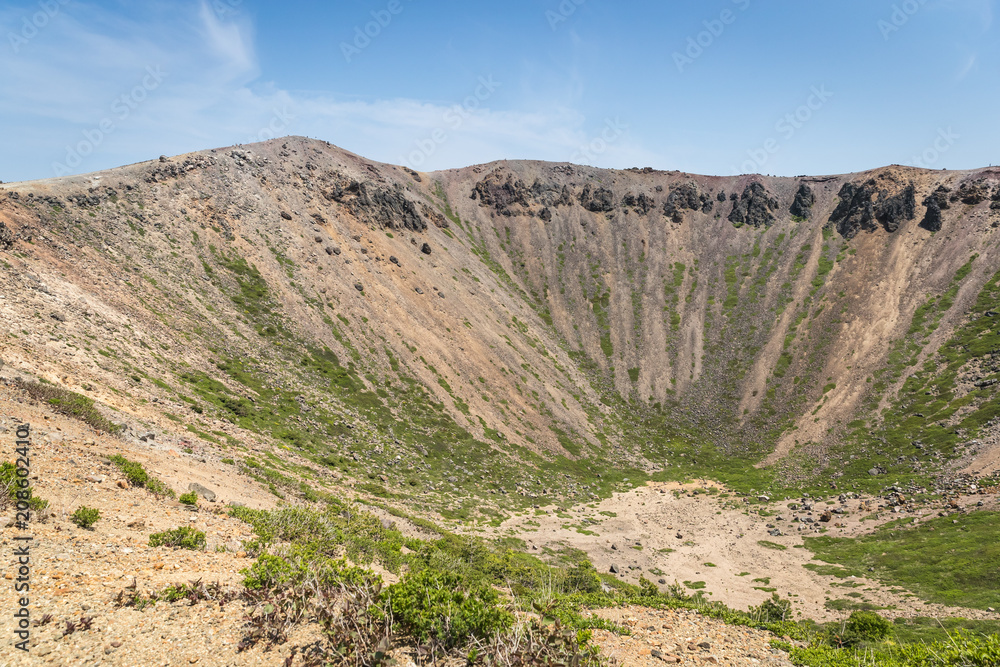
[202, 491]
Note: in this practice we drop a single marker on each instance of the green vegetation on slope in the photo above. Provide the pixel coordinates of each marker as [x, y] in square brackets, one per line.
[940, 560]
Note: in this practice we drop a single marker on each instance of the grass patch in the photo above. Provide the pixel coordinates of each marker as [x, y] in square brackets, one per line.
[940, 561]
[137, 476]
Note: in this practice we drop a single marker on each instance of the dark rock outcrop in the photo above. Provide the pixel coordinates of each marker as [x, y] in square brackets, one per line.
[862, 206]
[855, 210]
[803, 202]
[936, 202]
[600, 200]
[501, 191]
[686, 198]
[430, 214]
[640, 203]
[891, 211]
[972, 193]
[754, 207]
[377, 206]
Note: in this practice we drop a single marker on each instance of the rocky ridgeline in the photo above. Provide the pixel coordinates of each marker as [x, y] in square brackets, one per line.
[885, 201]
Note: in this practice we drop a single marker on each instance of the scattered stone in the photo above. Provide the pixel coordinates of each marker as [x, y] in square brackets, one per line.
[202, 491]
[286, 215]
[359, 287]
[425, 248]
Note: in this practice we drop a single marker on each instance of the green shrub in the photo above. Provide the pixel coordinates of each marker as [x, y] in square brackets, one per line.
[534, 642]
[137, 476]
[337, 529]
[9, 489]
[868, 626]
[70, 404]
[582, 578]
[85, 517]
[439, 606]
[774, 610]
[184, 537]
[189, 498]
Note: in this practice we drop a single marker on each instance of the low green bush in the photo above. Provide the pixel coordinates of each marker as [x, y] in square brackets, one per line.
[184, 537]
[71, 404]
[85, 517]
[9, 489]
[868, 626]
[189, 498]
[137, 476]
[440, 607]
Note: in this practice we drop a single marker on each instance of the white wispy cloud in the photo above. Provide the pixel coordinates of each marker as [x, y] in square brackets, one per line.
[231, 41]
[90, 69]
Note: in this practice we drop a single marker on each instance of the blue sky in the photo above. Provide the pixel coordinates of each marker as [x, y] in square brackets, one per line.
[717, 87]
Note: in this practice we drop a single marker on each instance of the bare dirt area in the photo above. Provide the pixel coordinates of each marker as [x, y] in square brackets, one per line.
[77, 573]
[673, 532]
[683, 637]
